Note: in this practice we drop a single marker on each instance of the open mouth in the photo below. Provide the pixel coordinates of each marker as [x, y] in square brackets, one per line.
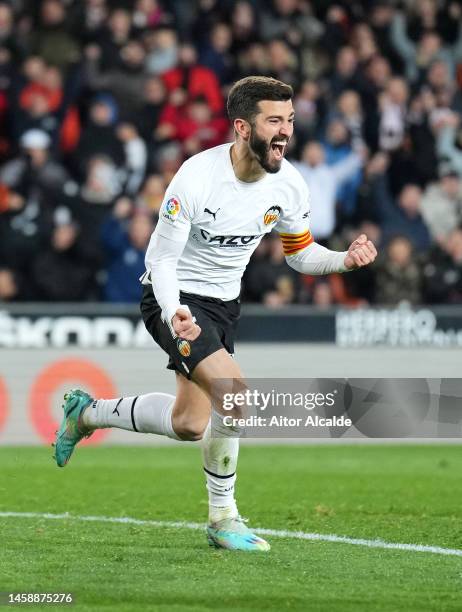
[278, 148]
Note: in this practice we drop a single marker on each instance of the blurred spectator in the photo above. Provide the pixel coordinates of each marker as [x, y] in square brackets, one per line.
[375, 77]
[98, 135]
[154, 97]
[135, 157]
[398, 275]
[310, 110]
[125, 80]
[322, 294]
[443, 271]
[324, 182]
[442, 204]
[253, 60]
[151, 195]
[380, 19]
[162, 51]
[406, 217]
[364, 42]
[401, 216]
[169, 160]
[349, 109]
[421, 135]
[449, 143]
[34, 168]
[429, 47]
[35, 113]
[325, 291]
[194, 126]
[189, 80]
[8, 40]
[268, 279]
[292, 20]
[52, 40]
[88, 20]
[345, 74]
[8, 286]
[46, 102]
[393, 110]
[109, 43]
[24, 229]
[337, 148]
[125, 236]
[283, 62]
[64, 271]
[40, 98]
[216, 54]
[32, 183]
[150, 14]
[440, 83]
[428, 15]
[207, 14]
[91, 203]
[243, 25]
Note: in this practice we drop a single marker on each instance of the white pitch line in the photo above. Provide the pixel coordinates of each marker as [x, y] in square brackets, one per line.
[297, 535]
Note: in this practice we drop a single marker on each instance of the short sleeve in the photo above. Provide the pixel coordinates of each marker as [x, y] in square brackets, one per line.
[177, 210]
[294, 225]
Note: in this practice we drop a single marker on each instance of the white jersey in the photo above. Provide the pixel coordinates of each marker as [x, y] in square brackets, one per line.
[222, 220]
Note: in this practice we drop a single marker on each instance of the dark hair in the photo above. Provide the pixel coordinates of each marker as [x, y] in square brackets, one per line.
[245, 95]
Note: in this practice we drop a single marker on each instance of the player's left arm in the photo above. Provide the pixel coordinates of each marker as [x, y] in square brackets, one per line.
[315, 259]
[304, 254]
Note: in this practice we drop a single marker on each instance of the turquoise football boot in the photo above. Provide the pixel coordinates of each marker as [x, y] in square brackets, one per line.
[233, 534]
[71, 430]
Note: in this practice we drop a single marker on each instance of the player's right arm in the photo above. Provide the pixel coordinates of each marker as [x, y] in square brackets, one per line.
[165, 248]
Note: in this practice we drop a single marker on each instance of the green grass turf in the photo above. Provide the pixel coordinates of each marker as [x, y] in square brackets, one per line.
[408, 494]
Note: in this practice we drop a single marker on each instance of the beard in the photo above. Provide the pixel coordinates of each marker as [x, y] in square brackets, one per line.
[263, 152]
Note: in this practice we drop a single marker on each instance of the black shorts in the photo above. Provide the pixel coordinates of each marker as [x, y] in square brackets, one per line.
[216, 318]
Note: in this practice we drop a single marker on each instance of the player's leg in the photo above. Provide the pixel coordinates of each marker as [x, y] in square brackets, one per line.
[191, 411]
[220, 444]
[218, 374]
[183, 417]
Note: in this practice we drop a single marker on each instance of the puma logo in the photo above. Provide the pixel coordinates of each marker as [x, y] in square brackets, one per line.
[214, 214]
[116, 409]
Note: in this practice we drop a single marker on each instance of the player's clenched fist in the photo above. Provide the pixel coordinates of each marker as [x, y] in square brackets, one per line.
[361, 253]
[184, 325]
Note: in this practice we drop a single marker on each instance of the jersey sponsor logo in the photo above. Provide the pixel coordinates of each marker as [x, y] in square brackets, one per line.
[184, 348]
[171, 209]
[228, 241]
[272, 215]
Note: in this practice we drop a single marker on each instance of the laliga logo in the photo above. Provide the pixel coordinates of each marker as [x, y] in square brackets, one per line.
[184, 348]
[172, 208]
[272, 215]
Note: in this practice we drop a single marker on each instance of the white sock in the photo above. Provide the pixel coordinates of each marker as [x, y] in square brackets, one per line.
[220, 449]
[150, 413]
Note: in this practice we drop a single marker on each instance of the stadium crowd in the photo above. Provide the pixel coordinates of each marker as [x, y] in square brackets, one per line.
[102, 100]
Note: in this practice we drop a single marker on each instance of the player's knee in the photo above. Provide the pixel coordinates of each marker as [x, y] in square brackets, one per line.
[189, 429]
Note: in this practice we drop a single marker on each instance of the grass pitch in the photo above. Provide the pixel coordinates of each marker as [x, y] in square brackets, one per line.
[409, 494]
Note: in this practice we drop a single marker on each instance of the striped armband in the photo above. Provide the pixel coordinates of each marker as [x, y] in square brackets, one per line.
[293, 243]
